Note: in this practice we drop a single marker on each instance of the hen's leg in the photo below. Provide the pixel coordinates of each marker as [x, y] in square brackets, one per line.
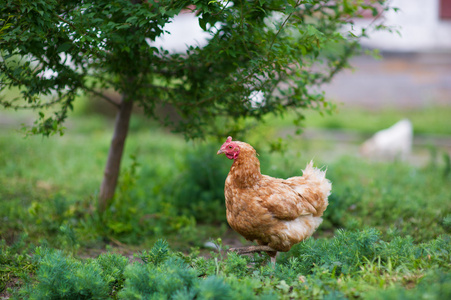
[273, 255]
[253, 249]
[260, 248]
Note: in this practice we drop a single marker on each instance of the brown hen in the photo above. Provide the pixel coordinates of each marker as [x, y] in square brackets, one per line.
[276, 213]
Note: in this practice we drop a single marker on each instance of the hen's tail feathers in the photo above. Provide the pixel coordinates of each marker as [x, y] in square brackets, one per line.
[319, 184]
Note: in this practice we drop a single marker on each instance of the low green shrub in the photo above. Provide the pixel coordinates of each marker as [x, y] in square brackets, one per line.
[347, 251]
[436, 284]
[63, 277]
[352, 264]
[15, 263]
[113, 266]
[158, 254]
[164, 281]
[60, 276]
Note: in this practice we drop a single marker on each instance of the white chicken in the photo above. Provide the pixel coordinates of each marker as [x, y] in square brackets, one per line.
[392, 143]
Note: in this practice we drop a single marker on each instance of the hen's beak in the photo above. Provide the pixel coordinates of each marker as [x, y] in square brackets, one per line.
[219, 152]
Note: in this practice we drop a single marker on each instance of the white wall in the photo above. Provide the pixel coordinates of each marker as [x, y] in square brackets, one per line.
[184, 31]
[420, 26]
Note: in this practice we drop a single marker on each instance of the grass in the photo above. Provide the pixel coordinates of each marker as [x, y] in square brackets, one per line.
[428, 120]
[385, 233]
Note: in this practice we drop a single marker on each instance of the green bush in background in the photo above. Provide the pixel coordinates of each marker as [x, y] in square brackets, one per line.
[199, 188]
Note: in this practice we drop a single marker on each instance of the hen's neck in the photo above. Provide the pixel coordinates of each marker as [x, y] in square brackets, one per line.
[245, 170]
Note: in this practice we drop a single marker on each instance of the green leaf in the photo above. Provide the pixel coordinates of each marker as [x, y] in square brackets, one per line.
[292, 3]
[131, 19]
[375, 12]
[63, 48]
[203, 24]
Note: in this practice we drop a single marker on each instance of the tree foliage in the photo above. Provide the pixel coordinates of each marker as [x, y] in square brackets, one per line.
[54, 50]
[262, 57]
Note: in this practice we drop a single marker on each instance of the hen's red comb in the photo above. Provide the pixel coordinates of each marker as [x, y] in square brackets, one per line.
[229, 139]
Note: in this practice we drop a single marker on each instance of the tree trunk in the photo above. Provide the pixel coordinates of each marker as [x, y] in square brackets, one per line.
[113, 163]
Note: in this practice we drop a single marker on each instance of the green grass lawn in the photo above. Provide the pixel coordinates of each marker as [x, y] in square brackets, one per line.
[428, 120]
[385, 234]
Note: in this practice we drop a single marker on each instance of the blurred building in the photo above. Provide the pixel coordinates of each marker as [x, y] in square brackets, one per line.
[424, 26]
[415, 70]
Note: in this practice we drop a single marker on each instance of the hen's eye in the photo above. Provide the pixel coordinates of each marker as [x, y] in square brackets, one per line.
[230, 147]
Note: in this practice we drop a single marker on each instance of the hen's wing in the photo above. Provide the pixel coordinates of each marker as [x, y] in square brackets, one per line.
[282, 201]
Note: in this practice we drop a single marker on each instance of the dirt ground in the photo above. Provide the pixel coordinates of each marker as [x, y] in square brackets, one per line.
[398, 80]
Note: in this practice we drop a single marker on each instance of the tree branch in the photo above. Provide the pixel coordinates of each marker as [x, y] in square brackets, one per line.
[67, 22]
[152, 86]
[33, 106]
[281, 27]
[102, 96]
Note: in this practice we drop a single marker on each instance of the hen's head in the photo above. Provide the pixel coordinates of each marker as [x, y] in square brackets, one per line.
[231, 149]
